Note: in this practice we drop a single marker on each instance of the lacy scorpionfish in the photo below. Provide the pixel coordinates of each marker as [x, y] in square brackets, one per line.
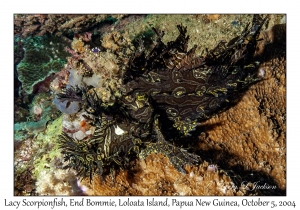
[165, 94]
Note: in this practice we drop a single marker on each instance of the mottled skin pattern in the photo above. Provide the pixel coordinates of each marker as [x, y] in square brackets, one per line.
[165, 95]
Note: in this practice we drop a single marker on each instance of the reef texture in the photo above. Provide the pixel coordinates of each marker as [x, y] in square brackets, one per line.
[155, 175]
[127, 127]
[41, 24]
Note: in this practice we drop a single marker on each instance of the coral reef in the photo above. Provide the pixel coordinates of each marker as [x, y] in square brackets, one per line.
[244, 144]
[58, 24]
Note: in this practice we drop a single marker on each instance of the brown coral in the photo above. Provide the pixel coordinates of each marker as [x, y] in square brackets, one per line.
[252, 135]
[156, 176]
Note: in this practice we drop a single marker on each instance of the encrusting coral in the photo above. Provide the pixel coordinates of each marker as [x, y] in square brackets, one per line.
[40, 60]
[155, 175]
